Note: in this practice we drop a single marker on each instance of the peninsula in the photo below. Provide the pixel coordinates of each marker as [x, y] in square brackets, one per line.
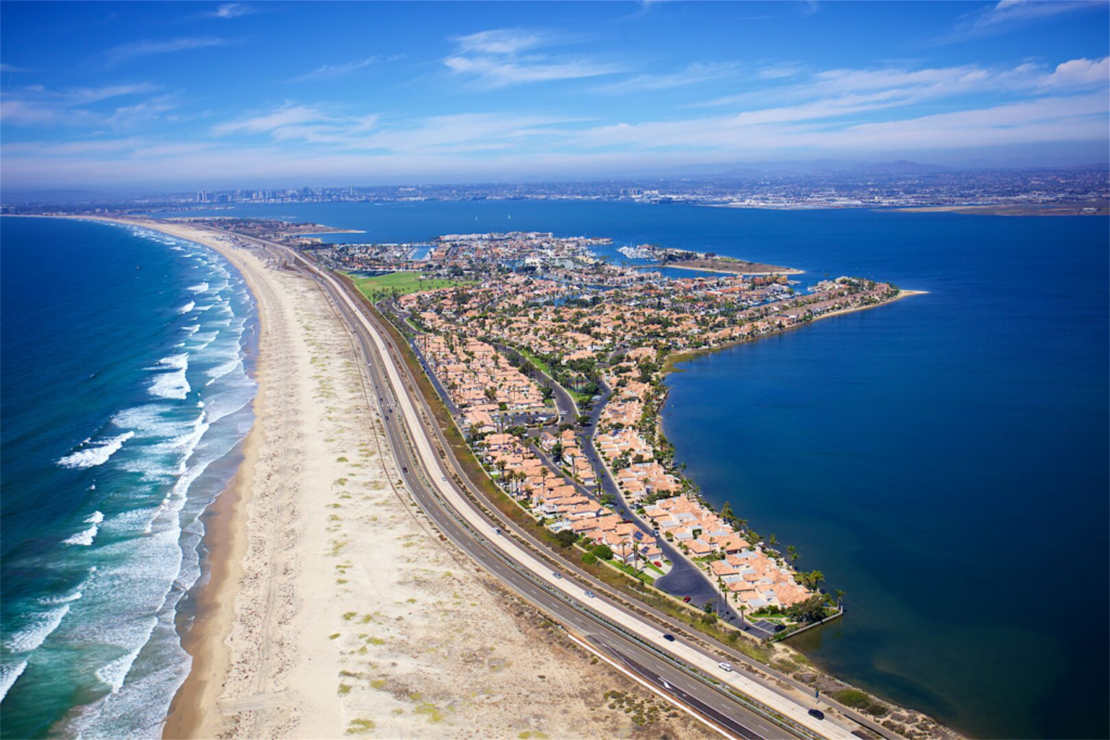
[509, 419]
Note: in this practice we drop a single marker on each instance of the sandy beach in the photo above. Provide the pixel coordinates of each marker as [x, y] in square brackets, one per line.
[334, 609]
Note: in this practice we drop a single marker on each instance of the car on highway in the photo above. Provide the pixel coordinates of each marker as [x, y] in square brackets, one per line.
[404, 470]
[590, 594]
[557, 575]
[725, 666]
[686, 599]
[668, 638]
[497, 530]
[816, 713]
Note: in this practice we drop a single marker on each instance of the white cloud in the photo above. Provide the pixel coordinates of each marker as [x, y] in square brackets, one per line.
[692, 75]
[288, 115]
[137, 49]
[495, 72]
[494, 59]
[1079, 72]
[232, 10]
[330, 71]
[500, 41]
[1007, 15]
[36, 105]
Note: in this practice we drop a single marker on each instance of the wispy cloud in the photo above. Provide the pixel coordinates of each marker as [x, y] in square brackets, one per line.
[330, 71]
[456, 133]
[37, 106]
[232, 10]
[907, 85]
[287, 115]
[11, 68]
[501, 41]
[138, 49]
[691, 75]
[497, 59]
[1008, 15]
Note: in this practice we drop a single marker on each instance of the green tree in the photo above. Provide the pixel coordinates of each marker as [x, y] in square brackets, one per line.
[603, 552]
[566, 538]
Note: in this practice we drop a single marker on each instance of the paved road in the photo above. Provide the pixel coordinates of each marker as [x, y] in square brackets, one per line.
[761, 710]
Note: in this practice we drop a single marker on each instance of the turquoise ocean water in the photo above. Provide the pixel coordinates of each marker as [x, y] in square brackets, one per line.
[125, 394]
[943, 459]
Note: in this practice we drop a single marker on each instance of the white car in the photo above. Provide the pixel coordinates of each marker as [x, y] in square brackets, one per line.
[725, 667]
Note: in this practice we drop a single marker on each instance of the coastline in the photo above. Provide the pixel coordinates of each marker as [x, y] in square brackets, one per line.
[784, 271]
[225, 530]
[225, 539]
[317, 620]
[674, 358]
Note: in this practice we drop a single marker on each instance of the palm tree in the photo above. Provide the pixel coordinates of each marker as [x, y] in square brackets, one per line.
[792, 553]
[840, 599]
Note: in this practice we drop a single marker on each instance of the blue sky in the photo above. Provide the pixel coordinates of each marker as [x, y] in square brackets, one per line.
[181, 95]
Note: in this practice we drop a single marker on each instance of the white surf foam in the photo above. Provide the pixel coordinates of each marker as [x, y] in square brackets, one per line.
[86, 537]
[92, 456]
[177, 362]
[55, 600]
[9, 673]
[199, 287]
[170, 385]
[187, 307]
[115, 672]
[36, 632]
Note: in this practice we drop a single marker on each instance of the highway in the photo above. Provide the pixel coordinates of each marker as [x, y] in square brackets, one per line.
[689, 675]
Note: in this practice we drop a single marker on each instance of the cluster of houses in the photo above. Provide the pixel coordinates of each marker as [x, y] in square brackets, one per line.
[562, 505]
[483, 385]
[565, 448]
[480, 381]
[618, 440]
[752, 577]
[562, 321]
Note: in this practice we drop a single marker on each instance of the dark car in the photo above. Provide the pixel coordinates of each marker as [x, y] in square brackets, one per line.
[816, 713]
[668, 638]
[404, 470]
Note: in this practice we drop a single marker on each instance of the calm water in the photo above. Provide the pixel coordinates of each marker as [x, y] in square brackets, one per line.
[943, 460]
[124, 398]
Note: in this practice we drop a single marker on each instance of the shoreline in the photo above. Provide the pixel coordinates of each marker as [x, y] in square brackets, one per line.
[225, 531]
[784, 271]
[319, 621]
[674, 358]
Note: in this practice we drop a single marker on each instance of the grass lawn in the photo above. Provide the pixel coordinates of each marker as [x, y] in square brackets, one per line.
[402, 283]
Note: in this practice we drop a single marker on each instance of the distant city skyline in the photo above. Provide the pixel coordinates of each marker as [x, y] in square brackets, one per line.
[198, 95]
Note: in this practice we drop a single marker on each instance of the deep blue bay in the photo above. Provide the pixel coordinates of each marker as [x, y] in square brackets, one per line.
[943, 459]
[125, 394]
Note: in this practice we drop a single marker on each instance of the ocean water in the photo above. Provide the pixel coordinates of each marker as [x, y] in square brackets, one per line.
[943, 460]
[126, 391]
